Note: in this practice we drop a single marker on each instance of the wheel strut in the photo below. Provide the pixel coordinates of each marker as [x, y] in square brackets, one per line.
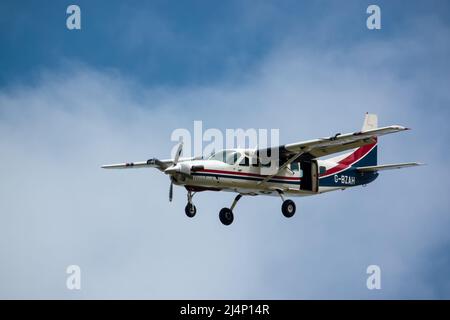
[226, 214]
[281, 194]
[239, 196]
[190, 209]
[288, 206]
[190, 195]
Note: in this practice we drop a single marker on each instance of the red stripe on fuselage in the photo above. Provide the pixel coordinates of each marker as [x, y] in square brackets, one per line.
[246, 174]
[349, 160]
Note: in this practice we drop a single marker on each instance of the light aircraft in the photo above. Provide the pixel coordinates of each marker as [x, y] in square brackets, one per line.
[297, 171]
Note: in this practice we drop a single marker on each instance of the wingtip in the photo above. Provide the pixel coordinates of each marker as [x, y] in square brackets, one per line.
[401, 128]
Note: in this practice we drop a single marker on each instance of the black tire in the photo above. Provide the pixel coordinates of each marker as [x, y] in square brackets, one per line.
[226, 216]
[288, 208]
[190, 210]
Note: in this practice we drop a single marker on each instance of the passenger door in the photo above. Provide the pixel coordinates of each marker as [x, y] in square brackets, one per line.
[310, 179]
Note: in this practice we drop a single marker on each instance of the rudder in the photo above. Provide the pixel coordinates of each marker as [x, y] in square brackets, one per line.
[371, 158]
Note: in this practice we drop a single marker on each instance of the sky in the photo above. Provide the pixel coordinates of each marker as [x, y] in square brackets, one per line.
[114, 91]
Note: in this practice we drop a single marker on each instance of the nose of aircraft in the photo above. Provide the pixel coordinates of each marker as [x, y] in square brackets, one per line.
[183, 168]
[173, 169]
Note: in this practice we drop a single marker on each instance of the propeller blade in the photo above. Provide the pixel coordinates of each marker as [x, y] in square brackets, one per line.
[171, 191]
[178, 153]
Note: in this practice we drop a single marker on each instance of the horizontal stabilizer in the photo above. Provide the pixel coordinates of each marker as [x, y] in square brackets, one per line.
[388, 166]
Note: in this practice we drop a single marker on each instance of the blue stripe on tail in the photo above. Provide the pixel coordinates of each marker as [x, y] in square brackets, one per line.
[351, 177]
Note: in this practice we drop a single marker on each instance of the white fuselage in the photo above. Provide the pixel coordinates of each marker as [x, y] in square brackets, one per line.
[217, 175]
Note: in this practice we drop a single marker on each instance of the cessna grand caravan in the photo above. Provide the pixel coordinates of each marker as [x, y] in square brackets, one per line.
[298, 170]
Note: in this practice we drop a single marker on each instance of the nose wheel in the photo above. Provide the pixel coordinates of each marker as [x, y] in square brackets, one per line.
[190, 209]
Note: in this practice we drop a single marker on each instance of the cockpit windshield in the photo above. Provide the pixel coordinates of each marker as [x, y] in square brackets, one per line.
[226, 156]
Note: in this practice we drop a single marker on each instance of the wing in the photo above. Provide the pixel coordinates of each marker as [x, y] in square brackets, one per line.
[151, 163]
[311, 149]
[340, 142]
[388, 166]
[316, 148]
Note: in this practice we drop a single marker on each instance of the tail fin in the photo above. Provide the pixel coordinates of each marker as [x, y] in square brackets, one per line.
[371, 159]
[370, 122]
[366, 155]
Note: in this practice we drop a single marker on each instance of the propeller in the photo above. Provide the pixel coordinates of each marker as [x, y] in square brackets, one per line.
[180, 169]
[171, 191]
[175, 161]
[178, 153]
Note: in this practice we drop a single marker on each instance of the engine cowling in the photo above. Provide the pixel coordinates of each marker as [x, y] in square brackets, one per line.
[183, 168]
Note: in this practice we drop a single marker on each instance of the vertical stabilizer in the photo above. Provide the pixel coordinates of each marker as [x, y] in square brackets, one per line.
[370, 122]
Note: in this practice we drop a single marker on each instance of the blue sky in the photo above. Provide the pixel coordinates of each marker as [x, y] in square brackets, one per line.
[115, 90]
[179, 43]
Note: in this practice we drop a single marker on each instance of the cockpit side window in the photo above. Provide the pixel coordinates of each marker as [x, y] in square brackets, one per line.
[232, 157]
[219, 156]
[226, 156]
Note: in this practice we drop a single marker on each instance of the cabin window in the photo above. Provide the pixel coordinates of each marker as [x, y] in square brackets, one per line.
[322, 170]
[255, 162]
[294, 166]
[227, 156]
[245, 161]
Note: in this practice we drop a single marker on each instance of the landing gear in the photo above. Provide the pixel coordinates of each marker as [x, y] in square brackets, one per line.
[190, 209]
[288, 206]
[226, 215]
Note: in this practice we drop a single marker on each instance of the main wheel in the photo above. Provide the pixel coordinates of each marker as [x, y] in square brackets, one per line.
[288, 208]
[190, 210]
[226, 216]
